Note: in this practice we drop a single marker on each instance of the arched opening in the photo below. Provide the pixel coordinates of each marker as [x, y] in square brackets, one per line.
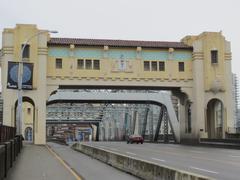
[28, 134]
[28, 121]
[215, 119]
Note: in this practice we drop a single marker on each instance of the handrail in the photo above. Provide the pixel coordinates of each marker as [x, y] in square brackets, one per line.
[7, 133]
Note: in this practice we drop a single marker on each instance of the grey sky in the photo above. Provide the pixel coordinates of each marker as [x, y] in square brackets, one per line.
[164, 20]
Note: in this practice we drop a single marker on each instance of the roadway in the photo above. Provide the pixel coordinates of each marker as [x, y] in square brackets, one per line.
[212, 162]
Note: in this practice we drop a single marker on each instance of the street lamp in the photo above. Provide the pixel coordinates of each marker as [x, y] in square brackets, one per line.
[20, 77]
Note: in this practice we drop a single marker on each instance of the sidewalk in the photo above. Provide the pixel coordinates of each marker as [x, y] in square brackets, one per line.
[38, 163]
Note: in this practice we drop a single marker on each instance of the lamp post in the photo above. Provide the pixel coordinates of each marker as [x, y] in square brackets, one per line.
[20, 77]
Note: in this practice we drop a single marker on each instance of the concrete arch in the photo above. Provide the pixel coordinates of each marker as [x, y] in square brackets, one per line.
[28, 115]
[184, 113]
[215, 118]
[25, 99]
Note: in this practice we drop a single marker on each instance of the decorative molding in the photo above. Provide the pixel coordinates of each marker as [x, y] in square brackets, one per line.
[105, 52]
[139, 52]
[198, 56]
[42, 51]
[71, 52]
[7, 50]
[228, 56]
[170, 54]
[216, 86]
[122, 65]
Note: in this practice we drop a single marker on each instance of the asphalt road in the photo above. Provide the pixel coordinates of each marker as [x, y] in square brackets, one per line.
[216, 163]
[87, 167]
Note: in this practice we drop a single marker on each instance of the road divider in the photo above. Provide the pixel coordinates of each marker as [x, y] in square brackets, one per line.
[135, 166]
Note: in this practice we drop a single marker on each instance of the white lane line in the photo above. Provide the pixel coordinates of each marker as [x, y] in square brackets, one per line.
[156, 159]
[131, 153]
[205, 170]
[234, 156]
[114, 149]
[200, 152]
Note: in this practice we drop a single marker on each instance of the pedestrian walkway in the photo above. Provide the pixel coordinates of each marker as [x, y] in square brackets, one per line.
[60, 162]
[38, 163]
[87, 167]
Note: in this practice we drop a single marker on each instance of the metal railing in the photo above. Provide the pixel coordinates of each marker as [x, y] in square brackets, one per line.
[7, 133]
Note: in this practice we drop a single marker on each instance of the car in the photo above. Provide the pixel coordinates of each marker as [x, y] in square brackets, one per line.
[135, 138]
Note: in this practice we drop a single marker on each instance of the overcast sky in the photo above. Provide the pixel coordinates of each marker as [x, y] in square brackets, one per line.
[161, 20]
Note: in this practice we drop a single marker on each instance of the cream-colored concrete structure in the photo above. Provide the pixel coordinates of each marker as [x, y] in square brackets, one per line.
[197, 70]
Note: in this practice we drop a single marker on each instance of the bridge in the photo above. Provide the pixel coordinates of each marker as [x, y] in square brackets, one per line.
[161, 99]
[104, 90]
[196, 70]
[62, 162]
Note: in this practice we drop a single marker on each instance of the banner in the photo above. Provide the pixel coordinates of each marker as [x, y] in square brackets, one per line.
[12, 78]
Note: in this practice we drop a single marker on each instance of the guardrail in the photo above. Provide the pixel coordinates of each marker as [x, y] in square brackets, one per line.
[10, 147]
[7, 133]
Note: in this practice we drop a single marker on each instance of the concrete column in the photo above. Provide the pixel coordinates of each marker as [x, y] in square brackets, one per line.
[229, 122]
[182, 118]
[8, 103]
[198, 91]
[40, 68]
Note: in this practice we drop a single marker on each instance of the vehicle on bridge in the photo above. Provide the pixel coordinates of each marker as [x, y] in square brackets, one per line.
[135, 138]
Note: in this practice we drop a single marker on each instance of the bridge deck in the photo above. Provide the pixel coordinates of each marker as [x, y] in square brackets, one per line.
[216, 163]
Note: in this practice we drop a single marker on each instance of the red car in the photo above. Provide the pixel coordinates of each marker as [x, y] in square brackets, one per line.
[135, 138]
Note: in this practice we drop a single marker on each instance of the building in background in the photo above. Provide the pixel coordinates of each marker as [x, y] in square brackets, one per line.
[236, 109]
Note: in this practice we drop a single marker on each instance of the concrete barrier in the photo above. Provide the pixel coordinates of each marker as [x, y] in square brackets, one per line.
[140, 168]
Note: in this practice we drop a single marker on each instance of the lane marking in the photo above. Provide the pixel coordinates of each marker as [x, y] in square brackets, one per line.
[114, 149]
[183, 154]
[64, 163]
[131, 153]
[234, 156]
[160, 150]
[205, 170]
[197, 151]
[162, 160]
